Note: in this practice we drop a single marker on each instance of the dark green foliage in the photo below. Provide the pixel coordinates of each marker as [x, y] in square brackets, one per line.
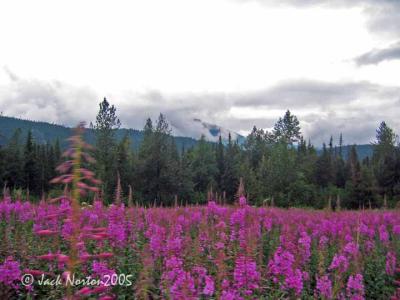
[158, 167]
[203, 166]
[231, 176]
[277, 167]
[287, 129]
[377, 283]
[106, 150]
[43, 133]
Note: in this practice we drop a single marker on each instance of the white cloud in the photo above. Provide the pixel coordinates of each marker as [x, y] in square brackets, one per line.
[210, 59]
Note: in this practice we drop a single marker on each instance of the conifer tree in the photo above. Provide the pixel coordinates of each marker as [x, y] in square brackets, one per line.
[105, 151]
[287, 129]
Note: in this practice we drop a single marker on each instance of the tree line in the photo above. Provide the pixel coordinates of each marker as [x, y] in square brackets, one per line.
[278, 167]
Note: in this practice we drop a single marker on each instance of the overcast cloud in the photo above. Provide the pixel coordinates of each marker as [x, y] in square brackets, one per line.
[235, 63]
[375, 56]
[352, 108]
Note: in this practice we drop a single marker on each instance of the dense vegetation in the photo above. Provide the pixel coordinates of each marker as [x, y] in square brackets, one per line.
[277, 167]
[65, 248]
[198, 252]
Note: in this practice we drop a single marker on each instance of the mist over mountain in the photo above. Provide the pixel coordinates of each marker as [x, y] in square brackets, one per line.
[196, 128]
[44, 132]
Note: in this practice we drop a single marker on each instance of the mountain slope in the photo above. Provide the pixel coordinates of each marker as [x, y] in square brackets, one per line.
[45, 132]
[362, 151]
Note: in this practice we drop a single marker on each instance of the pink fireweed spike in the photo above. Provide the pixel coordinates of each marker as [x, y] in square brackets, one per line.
[46, 232]
[104, 255]
[62, 258]
[107, 297]
[85, 291]
[48, 257]
[99, 289]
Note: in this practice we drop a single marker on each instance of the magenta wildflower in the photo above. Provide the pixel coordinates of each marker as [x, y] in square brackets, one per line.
[383, 234]
[10, 272]
[294, 280]
[305, 249]
[351, 249]
[390, 263]
[100, 269]
[209, 286]
[396, 229]
[245, 275]
[355, 287]
[324, 286]
[340, 263]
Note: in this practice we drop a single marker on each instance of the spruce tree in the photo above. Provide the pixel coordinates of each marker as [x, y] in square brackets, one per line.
[31, 168]
[231, 176]
[105, 151]
[287, 129]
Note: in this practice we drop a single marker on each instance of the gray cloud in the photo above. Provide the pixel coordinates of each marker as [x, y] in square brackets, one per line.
[311, 93]
[383, 15]
[50, 101]
[376, 56]
[323, 108]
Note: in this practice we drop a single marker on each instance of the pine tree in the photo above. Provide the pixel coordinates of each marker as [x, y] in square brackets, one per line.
[256, 146]
[323, 169]
[158, 165]
[353, 186]
[287, 129]
[203, 167]
[105, 152]
[124, 163]
[31, 168]
[230, 178]
[220, 160]
[384, 160]
[14, 168]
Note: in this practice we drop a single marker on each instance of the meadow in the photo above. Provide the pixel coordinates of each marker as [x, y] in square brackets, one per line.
[64, 248]
[197, 252]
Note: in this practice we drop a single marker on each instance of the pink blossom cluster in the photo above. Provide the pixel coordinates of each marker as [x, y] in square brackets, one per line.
[202, 252]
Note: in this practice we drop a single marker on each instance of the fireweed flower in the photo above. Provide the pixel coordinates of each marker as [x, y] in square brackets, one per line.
[355, 287]
[209, 287]
[204, 252]
[324, 286]
[390, 263]
[305, 246]
[383, 234]
[100, 270]
[10, 272]
[282, 265]
[246, 276]
[340, 263]
[396, 230]
[351, 249]
[323, 241]
[242, 201]
[230, 295]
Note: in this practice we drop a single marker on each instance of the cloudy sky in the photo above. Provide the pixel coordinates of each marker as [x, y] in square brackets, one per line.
[236, 63]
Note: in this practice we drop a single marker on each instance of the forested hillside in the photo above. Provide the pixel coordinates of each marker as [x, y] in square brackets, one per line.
[43, 132]
[277, 167]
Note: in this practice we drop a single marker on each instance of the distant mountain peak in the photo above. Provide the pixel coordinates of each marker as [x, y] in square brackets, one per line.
[195, 128]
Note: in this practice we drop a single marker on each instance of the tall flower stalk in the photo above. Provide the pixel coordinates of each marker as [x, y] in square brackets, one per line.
[81, 180]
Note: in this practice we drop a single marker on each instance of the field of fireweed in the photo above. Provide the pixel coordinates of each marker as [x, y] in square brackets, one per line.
[62, 249]
[207, 252]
